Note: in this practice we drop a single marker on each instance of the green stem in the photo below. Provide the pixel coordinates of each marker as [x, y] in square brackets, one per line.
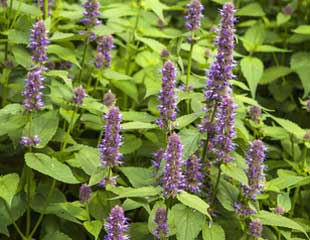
[45, 9]
[12, 220]
[44, 210]
[219, 174]
[69, 129]
[83, 60]
[189, 66]
[295, 198]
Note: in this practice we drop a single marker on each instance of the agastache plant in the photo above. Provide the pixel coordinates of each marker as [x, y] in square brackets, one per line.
[167, 96]
[194, 15]
[256, 228]
[255, 169]
[79, 95]
[161, 230]
[91, 13]
[116, 225]
[193, 174]
[38, 42]
[85, 193]
[112, 140]
[42, 7]
[103, 57]
[173, 178]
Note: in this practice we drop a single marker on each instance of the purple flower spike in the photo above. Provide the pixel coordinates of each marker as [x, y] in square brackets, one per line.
[167, 96]
[194, 15]
[256, 228]
[243, 210]
[105, 45]
[279, 210]
[91, 13]
[108, 181]
[32, 92]
[255, 113]
[193, 174]
[161, 230]
[226, 131]
[85, 193]
[255, 160]
[158, 156]
[109, 99]
[79, 95]
[38, 42]
[173, 178]
[49, 7]
[116, 225]
[112, 140]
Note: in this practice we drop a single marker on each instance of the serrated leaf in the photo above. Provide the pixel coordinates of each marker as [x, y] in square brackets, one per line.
[63, 53]
[124, 192]
[273, 73]
[8, 187]
[89, 159]
[235, 172]
[300, 62]
[51, 167]
[56, 235]
[213, 232]
[188, 222]
[26, 8]
[194, 202]
[190, 138]
[252, 9]
[252, 69]
[156, 6]
[302, 29]
[138, 125]
[153, 44]
[93, 227]
[185, 120]
[138, 176]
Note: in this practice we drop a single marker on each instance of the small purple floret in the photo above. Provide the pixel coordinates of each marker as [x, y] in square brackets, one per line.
[85, 193]
[256, 228]
[193, 174]
[79, 95]
[105, 45]
[161, 229]
[194, 15]
[91, 13]
[30, 141]
[38, 42]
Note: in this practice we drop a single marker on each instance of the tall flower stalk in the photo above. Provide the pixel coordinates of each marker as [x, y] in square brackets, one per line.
[161, 230]
[167, 97]
[173, 178]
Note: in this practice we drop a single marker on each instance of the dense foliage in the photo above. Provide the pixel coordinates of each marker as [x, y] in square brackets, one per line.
[154, 119]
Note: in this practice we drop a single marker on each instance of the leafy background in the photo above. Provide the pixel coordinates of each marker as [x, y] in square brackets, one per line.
[273, 55]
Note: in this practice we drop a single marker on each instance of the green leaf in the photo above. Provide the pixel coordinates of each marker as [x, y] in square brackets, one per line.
[194, 202]
[190, 138]
[138, 125]
[138, 116]
[213, 232]
[139, 231]
[89, 159]
[12, 118]
[235, 172]
[272, 219]
[252, 69]
[22, 56]
[57, 36]
[45, 126]
[290, 127]
[300, 62]
[153, 44]
[227, 195]
[93, 227]
[185, 120]
[124, 192]
[269, 48]
[26, 8]
[56, 235]
[131, 144]
[284, 201]
[63, 53]
[273, 73]
[302, 29]
[282, 18]
[128, 87]
[156, 6]
[252, 9]
[18, 37]
[253, 37]
[188, 222]
[138, 176]
[8, 187]
[109, 74]
[51, 167]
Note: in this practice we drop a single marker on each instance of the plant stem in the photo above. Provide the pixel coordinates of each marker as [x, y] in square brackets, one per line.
[83, 60]
[218, 178]
[12, 220]
[45, 9]
[69, 129]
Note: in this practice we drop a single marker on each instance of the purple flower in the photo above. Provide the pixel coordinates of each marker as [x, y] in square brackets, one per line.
[221, 69]
[116, 225]
[243, 210]
[112, 140]
[164, 53]
[307, 135]
[193, 174]
[225, 130]
[255, 160]
[43, 8]
[32, 91]
[38, 42]
[4, 3]
[161, 230]
[79, 95]
[194, 15]
[173, 178]
[109, 99]
[91, 13]
[288, 10]
[105, 45]
[167, 96]
[256, 228]
[65, 65]
[30, 141]
[255, 113]
[85, 193]
[108, 181]
[158, 156]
